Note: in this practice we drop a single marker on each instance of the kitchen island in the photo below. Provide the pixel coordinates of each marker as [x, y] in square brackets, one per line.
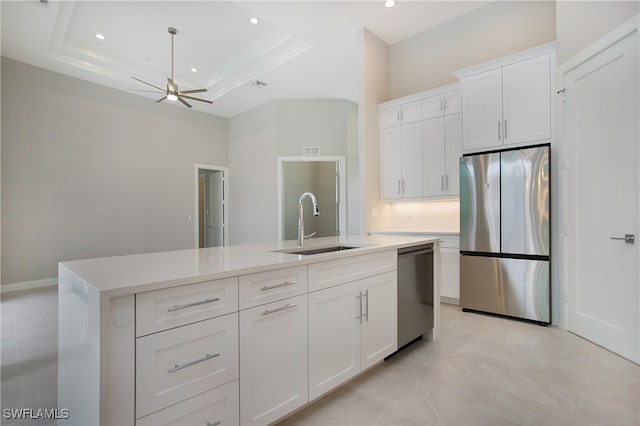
[241, 334]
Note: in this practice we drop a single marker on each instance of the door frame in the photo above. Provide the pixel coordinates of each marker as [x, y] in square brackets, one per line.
[567, 208]
[342, 211]
[225, 201]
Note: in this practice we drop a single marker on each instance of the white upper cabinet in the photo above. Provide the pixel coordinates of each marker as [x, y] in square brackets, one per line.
[440, 105]
[407, 113]
[482, 110]
[526, 100]
[401, 162]
[508, 101]
[416, 157]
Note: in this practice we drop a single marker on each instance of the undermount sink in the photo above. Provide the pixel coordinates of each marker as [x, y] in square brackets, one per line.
[317, 249]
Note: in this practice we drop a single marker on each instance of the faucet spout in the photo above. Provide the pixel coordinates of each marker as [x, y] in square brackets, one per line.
[316, 212]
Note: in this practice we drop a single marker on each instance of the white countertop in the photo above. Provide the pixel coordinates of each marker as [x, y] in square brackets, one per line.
[124, 275]
[415, 232]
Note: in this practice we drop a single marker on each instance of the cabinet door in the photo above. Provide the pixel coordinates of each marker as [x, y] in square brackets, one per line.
[450, 272]
[391, 163]
[482, 110]
[433, 107]
[273, 360]
[379, 330]
[452, 102]
[334, 337]
[527, 101]
[411, 112]
[453, 144]
[411, 186]
[390, 117]
[433, 156]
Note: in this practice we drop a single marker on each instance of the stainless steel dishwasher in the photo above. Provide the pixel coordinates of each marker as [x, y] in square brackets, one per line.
[415, 292]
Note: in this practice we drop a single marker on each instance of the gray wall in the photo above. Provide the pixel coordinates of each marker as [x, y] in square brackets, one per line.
[581, 23]
[426, 60]
[68, 145]
[281, 128]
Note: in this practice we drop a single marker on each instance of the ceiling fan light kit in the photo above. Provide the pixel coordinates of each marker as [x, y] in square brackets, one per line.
[172, 93]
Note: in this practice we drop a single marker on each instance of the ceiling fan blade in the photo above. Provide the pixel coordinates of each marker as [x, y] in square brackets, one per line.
[149, 84]
[149, 91]
[193, 91]
[184, 102]
[161, 99]
[196, 99]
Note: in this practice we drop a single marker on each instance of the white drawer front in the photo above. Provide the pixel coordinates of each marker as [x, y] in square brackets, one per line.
[334, 272]
[271, 286]
[172, 307]
[183, 362]
[450, 242]
[219, 406]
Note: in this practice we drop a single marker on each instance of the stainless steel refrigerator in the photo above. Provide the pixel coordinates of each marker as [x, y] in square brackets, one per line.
[505, 233]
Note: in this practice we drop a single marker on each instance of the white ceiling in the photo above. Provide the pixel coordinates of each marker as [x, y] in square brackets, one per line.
[301, 49]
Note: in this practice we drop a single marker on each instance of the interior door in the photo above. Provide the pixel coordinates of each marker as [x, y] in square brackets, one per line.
[600, 122]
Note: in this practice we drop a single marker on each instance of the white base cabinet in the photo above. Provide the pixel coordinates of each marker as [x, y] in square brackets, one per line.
[273, 360]
[351, 328]
[334, 337]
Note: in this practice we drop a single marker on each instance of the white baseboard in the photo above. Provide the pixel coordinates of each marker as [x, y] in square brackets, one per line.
[26, 285]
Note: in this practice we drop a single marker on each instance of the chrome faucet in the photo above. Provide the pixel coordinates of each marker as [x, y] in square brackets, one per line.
[316, 212]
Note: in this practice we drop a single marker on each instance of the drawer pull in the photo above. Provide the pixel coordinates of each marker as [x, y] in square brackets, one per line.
[271, 287]
[189, 305]
[214, 423]
[190, 363]
[282, 308]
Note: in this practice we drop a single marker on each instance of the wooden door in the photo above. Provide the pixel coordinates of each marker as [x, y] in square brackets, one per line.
[600, 111]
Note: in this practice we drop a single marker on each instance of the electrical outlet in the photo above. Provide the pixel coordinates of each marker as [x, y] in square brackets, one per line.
[374, 212]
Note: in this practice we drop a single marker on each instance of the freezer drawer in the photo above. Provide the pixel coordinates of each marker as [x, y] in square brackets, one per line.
[514, 287]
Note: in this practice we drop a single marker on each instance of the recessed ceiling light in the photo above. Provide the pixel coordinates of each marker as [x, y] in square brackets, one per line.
[100, 36]
[194, 69]
[254, 20]
[389, 3]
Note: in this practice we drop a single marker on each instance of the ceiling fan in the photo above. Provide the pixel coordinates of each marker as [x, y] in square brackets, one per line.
[172, 93]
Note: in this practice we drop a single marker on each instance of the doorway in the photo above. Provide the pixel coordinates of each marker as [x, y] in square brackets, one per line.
[600, 108]
[324, 177]
[211, 206]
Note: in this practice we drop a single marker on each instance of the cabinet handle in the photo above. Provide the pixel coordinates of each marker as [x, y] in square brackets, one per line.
[442, 182]
[441, 105]
[190, 363]
[281, 308]
[189, 305]
[359, 297]
[403, 186]
[505, 129]
[445, 104]
[214, 423]
[366, 295]
[284, 284]
[399, 190]
[499, 130]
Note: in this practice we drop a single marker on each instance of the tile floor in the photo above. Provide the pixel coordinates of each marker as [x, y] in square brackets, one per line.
[482, 371]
